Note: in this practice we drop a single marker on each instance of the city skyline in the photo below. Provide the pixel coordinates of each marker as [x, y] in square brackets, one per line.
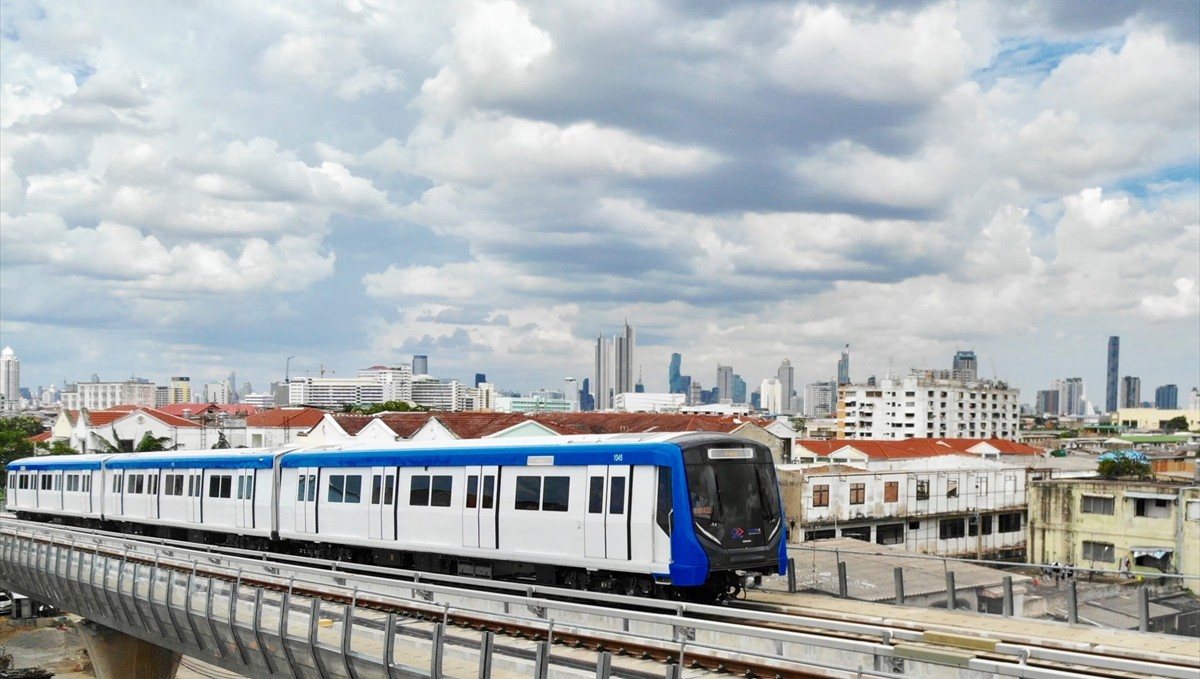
[199, 189]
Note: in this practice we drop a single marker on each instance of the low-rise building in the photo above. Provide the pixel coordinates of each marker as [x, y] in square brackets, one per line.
[923, 405]
[1117, 524]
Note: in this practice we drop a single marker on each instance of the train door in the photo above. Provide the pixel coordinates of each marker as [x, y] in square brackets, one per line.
[244, 500]
[381, 518]
[606, 523]
[479, 507]
[306, 499]
[152, 480]
[192, 509]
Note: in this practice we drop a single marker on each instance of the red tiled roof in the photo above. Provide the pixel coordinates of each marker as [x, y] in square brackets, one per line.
[38, 438]
[829, 469]
[292, 418]
[913, 448]
[99, 418]
[468, 425]
[178, 409]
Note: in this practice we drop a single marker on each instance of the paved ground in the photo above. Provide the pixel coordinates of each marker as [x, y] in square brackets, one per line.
[53, 644]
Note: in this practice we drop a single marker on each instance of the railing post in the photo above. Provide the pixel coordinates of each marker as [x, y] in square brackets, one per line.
[1007, 601]
[603, 665]
[256, 620]
[1143, 604]
[187, 609]
[485, 656]
[1072, 603]
[234, 596]
[791, 575]
[898, 577]
[314, 620]
[208, 615]
[951, 595]
[347, 631]
[285, 607]
[843, 584]
[435, 651]
[389, 648]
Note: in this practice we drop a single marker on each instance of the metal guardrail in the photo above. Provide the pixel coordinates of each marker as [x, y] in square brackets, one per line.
[266, 618]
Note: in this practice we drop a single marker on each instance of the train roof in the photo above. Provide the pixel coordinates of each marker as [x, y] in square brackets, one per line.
[41, 462]
[602, 449]
[225, 458]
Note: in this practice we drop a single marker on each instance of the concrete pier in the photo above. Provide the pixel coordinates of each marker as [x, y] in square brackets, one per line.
[116, 655]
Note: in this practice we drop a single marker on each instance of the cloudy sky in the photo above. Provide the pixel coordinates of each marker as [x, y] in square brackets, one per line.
[193, 188]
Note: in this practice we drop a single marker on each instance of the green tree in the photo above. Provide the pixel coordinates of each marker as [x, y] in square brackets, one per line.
[150, 443]
[1121, 465]
[14, 439]
[1178, 423]
[58, 447]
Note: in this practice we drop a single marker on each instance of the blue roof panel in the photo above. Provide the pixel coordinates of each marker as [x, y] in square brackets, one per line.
[657, 453]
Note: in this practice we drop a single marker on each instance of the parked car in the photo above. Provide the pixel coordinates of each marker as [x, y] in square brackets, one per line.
[6, 604]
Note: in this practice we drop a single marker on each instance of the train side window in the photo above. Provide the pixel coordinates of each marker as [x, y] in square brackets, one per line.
[376, 488]
[58, 481]
[243, 488]
[353, 488]
[47, 481]
[87, 483]
[442, 488]
[472, 500]
[300, 489]
[616, 496]
[137, 484]
[489, 487]
[556, 494]
[312, 487]
[154, 484]
[596, 495]
[169, 484]
[389, 490]
[418, 491]
[337, 487]
[663, 516]
[220, 486]
[529, 492]
[178, 485]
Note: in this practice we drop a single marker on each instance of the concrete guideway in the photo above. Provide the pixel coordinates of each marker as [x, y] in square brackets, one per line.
[268, 619]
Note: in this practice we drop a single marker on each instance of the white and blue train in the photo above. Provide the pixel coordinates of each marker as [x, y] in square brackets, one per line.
[693, 515]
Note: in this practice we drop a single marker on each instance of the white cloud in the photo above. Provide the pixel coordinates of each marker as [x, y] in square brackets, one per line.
[1185, 303]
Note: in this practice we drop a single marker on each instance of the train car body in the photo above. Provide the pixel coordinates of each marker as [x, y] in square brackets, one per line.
[698, 515]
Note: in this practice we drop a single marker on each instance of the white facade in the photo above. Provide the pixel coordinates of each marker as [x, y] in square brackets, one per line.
[105, 395]
[820, 399]
[333, 392]
[396, 380]
[603, 383]
[532, 404]
[919, 407]
[957, 507]
[786, 375]
[449, 395]
[10, 376]
[218, 392]
[648, 403]
[771, 396]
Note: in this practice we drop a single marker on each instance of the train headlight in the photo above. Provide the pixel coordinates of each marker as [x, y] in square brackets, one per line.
[751, 581]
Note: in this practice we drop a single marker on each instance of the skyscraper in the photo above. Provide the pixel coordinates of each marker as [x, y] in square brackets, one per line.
[674, 384]
[844, 367]
[181, 389]
[623, 374]
[771, 395]
[1131, 392]
[725, 382]
[739, 389]
[1114, 353]
[1166, 397]
[420, 364]
[787, 384]
[603, 383]
[965, 366]
[820, 399]
[10, 375]
[1073, 400]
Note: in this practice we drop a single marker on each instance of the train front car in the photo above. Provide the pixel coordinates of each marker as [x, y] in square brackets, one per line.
[736, 512]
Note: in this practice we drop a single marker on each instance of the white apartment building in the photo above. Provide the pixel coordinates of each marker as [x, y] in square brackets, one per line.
[532, 404]
[333, 392]
[105, 395]
[648, 403]
[396, 380]
[218, 392]
[770, 396]
[918, 406]
[10, 376]
[952, 506]
[449, 395]
[820, 399]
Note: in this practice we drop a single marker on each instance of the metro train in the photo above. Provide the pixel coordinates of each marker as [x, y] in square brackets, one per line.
[697, 516]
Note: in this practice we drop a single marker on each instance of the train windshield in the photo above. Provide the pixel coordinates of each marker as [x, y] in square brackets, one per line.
[734, 503]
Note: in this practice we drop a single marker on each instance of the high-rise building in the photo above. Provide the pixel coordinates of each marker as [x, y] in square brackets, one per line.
[787, 383]
[1047, 402]
[685, 387]
[771, 395]
[623, 367]
[1131, 392]
[1114, 355]
[1073, 397]
[739, 389]
[1166, 397]
[181, 390]
[420, 364]
[725, 383]
[674, 383]
[603, 391]
[965, 366]
[820, 399]
[695, 394]
[480, 378]
[843, 368]
[587, 402]
[10, 375]
[918, 406]
[614, 367]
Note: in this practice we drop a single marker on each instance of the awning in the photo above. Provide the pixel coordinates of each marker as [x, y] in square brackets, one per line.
[1156, 552]
[1138, 495]
[1102, 496]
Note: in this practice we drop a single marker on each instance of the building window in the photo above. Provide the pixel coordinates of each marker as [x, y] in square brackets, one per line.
[949, 529]
[891, 491]
[858, 493]
[922, 489]
[973, 525]
[821, 495]
[890, 534]
[1098, 551]
[858, 533]
[952, 487]
[1094, 504]
[1010, 523]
